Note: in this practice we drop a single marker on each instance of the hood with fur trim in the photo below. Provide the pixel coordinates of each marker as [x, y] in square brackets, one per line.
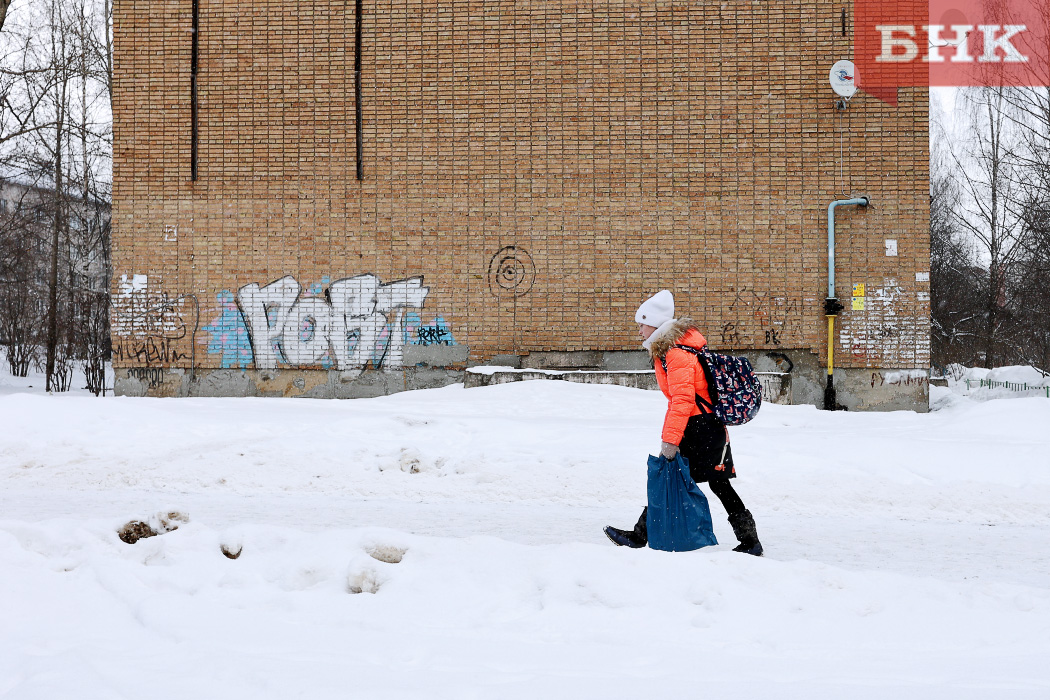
[665, 337]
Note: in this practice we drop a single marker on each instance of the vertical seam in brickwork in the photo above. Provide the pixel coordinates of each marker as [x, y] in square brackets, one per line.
[357, 89]
[194, 53]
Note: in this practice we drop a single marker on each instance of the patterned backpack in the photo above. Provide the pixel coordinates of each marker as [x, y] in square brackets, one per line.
[735, 390]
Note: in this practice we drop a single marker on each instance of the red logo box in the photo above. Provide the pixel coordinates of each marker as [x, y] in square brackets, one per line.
[915, 43]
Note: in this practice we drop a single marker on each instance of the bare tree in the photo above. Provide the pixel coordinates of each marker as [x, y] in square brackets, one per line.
[61, 57]
[56, 142]
[1029, 111]
[988, 176]
[956, 281]
[1032, 285]
[22, 239]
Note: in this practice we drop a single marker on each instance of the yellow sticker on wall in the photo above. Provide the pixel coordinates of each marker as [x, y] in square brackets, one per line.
[858, 303]
[858, 290]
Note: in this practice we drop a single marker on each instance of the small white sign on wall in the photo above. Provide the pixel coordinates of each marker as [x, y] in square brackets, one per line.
[922, 276]
[171, 232]
[891, 247]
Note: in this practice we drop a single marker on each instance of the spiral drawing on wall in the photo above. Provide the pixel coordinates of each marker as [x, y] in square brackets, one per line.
[511, 272]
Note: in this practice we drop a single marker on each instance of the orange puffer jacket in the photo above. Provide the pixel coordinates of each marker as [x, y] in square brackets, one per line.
[683, 380]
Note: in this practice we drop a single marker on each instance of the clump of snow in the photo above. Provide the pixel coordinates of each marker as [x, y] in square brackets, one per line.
[942, 397]
[387, 553]
[492, 369]
[363, 580]
[136, 530]
[158, 524]
[230, 551]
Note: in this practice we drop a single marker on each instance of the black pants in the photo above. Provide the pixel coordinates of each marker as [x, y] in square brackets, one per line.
[723, 488]
[719, 487]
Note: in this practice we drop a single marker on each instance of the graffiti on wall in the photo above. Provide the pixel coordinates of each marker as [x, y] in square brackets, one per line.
[347, 325]
[889, 328]
[150, 376]
[905, 378]
[512, 272]
[228, 334]
[756, 319]
[437, 332]
[150, 327]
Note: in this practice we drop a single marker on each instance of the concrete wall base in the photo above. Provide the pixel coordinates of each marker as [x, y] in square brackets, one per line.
[788, 377]
[303, 383]
[636, 380]
[883, 389]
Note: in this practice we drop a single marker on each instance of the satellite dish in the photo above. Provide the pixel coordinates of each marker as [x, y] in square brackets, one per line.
[843, 79]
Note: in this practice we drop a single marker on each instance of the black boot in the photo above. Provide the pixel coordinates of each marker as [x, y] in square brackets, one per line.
[635, 539]
[744, 529]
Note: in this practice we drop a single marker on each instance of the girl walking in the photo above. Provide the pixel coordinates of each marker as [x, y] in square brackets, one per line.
[690, 425]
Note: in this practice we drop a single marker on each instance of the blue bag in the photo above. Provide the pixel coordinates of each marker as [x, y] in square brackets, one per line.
[679, 519]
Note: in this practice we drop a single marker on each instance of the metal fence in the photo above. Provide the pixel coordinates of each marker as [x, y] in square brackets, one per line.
[1009, 386]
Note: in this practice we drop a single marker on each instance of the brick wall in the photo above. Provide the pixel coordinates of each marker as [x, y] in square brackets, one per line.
[543, 167]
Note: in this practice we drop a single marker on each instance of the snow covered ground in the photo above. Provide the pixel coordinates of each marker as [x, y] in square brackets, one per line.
[447, 544]
[983, 384]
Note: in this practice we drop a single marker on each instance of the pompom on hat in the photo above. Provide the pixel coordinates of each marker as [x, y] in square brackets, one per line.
[656, 310]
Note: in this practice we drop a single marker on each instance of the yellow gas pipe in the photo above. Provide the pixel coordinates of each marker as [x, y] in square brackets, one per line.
[831, 304]
[831, 345]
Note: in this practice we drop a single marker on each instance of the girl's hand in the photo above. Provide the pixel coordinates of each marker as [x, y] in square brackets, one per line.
[668, 450]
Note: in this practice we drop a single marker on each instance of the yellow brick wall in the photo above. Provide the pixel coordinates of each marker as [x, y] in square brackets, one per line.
[620, 148]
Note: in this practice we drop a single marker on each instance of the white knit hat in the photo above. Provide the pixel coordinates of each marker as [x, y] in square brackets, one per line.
[656, 310]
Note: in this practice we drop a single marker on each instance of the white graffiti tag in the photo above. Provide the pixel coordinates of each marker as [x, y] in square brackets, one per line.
[348, 325]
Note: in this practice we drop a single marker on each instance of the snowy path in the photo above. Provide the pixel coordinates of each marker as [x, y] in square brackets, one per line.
[907, 554]
[952, 551]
